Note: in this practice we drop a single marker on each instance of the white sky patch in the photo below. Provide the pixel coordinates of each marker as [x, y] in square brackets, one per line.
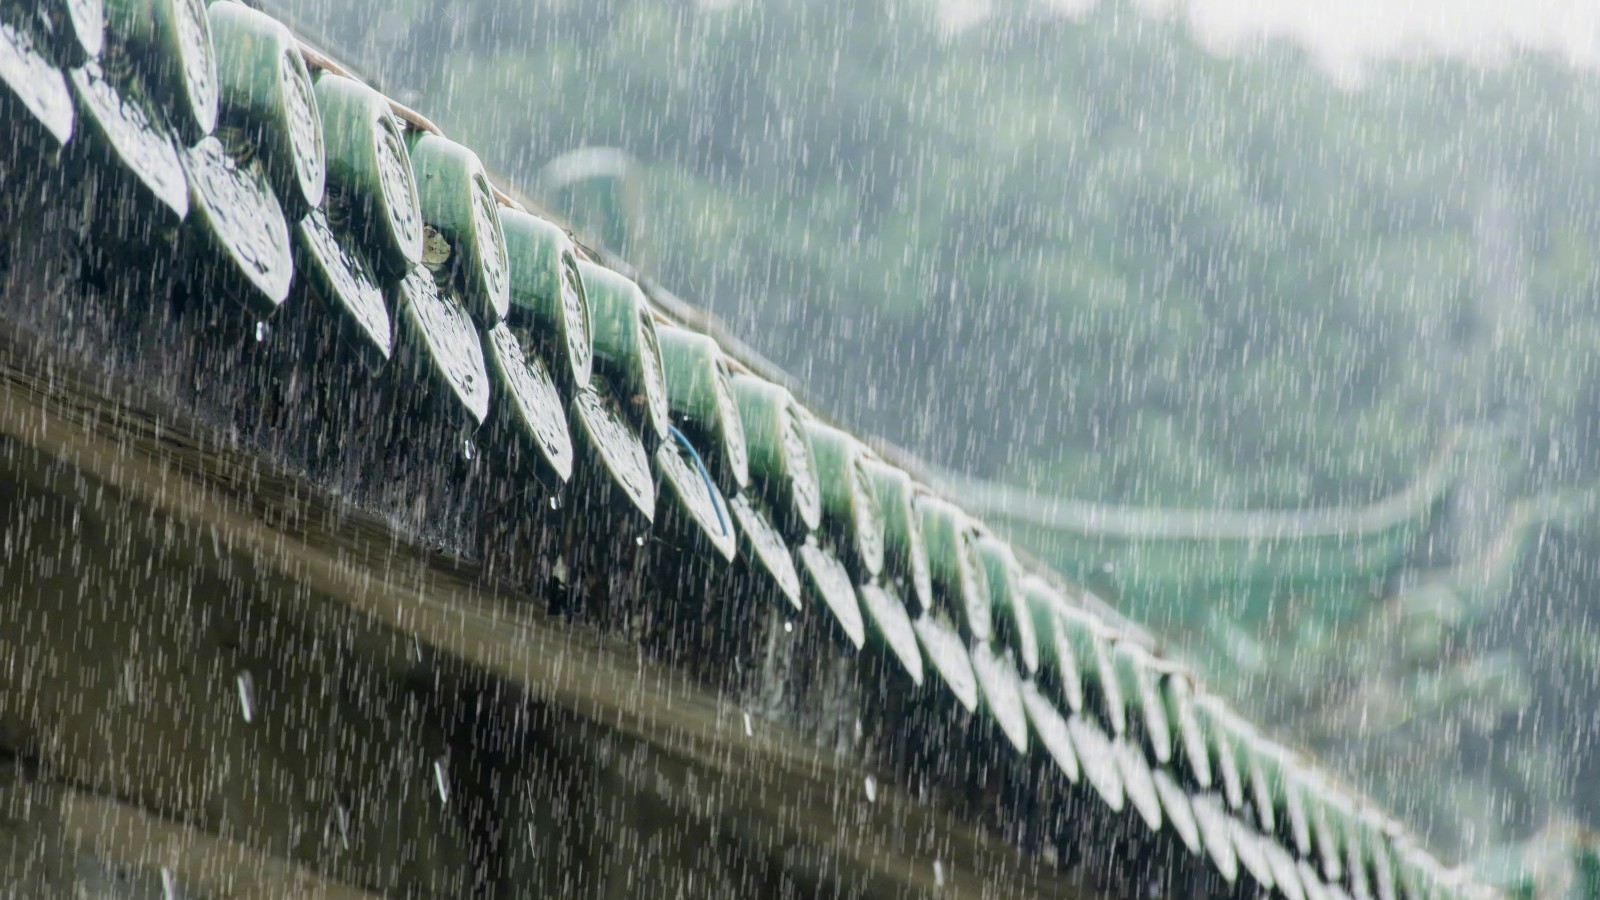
[1343, 36]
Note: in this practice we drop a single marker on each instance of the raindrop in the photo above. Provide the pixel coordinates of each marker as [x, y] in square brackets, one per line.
[749, 731]
[938, 873]
[440, 781]
[639, 541]
[872, 789]
[263, 331]
[416, 649]
[469, 450]
[788, 627]
[247, 695]
[169, 884]
[341, 819]
[130, 686]
[554, 503]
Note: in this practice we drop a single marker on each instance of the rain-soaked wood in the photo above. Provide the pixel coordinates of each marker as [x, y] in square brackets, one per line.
[57, 841]
[502, 684]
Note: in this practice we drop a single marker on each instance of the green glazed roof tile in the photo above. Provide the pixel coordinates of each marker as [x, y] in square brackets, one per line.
[34, 83]
[346, 287]
[117, 131]
[888, 624]
[371, 192]
[626, 351]
[690, 512]
[826, 581]
[851, 517]
[1352, 841]
[167, 44]
[1294, 797]
[1001, 690]
[1316, 795]
[462, 242]
[528, 411]
[1179, 813]
[267, 103]
[905, 556]
[1216, 834]
[1140, 680]
[237, 221]
[1051, 729]
[1091, 647]
[1211, 714]
[945, 650]
[1098, 755]
[700, 396]
[1178, 690]
[783, 468]
[959, 583]
[72, 32]
[547, 307]
[1263, 772]
[1013, 620]
[440, 346]
[761, 547]
[1058, 663]
[1138, 781]
[1379, 833]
